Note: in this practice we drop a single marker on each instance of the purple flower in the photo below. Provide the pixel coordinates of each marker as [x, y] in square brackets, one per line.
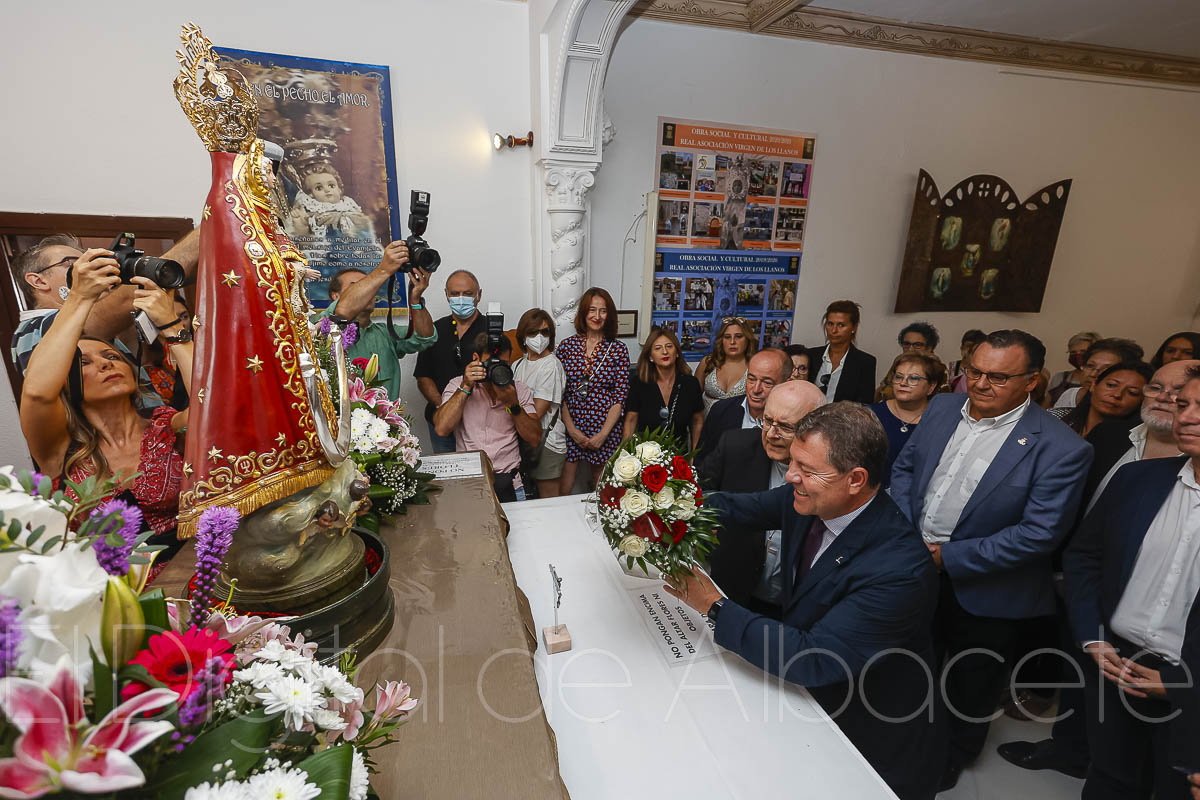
[114, 558]
[214, 534]
[325, 325]
[210, 687]
[349, 336]
[10, 635]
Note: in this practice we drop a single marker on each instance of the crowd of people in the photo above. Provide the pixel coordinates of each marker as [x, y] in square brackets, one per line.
[896, 547]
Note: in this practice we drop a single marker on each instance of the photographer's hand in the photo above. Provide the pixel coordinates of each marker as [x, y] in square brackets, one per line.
[418, 283]
[395, 256]
[95, 273]
[474, 373]
[158, 304]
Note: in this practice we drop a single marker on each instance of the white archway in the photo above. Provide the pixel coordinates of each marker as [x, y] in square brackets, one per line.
[571, 52]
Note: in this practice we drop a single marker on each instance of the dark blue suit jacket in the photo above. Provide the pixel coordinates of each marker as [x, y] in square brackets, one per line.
[999, 554]
[1097, 566]
[873, 590]
[725, 415]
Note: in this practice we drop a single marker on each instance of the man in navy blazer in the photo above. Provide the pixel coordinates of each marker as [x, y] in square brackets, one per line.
[992, 482]
[767, 369]
[859, 590]
[1132, 575]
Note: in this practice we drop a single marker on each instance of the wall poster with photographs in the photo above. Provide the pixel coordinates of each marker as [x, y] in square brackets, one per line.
[333, 120]
[729, 230]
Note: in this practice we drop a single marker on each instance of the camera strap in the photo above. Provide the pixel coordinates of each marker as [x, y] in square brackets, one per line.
[391, 298]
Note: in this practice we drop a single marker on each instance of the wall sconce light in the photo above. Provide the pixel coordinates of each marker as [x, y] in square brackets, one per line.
[500, 142]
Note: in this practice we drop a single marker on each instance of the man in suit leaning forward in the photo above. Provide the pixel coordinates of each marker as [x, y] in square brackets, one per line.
[992, 482]
[746, 563]
[858, 592]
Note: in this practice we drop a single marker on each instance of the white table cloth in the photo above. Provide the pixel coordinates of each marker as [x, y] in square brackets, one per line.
[629, 724]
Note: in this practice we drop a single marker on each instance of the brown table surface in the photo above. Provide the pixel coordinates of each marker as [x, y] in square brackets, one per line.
[462, 638]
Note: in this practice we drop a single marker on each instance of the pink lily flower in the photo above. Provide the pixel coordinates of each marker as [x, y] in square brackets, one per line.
[393, 700]
[58, 748]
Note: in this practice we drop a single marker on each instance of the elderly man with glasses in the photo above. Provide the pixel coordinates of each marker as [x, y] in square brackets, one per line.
[992, 482]
[746, 562]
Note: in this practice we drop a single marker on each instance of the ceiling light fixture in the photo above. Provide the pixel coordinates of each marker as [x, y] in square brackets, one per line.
[500, 142]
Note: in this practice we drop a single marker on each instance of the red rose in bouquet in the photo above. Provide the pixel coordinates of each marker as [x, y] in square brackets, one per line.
[361, 363]
[654, 477]
[678, 531]
[649, 526]
[611, 495]
[699, 495]
[680, 468]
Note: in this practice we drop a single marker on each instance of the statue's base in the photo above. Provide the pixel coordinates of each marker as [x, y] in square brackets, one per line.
[348, 607]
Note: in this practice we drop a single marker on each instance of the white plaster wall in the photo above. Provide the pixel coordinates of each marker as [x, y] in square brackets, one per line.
[1127, 262]
[93, 126]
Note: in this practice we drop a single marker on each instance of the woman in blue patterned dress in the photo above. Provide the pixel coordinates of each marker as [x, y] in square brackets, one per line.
[597, 367]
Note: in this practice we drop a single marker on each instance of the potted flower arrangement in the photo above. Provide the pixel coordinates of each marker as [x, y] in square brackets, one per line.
[108, 689]
[651, 508]
[382, 443]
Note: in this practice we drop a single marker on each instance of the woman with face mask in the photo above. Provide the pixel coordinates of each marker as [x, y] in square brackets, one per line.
[543, 373]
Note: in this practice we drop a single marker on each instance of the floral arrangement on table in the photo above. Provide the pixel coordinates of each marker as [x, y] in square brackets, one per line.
[381, 440]
[107, 688]
[651, 508]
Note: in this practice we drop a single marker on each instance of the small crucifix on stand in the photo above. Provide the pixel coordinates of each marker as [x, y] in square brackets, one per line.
[555, 636]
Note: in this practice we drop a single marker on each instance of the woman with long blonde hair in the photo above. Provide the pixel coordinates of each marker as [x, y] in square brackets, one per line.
[722, 372]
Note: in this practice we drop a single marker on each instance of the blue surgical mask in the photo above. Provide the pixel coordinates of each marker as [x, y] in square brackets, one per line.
[462, 306]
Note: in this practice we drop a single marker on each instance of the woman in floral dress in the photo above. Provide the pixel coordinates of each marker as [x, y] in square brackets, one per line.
[597, 367]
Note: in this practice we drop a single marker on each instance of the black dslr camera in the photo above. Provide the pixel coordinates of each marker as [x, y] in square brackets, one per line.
[135, 263]
[499, 372]
[420, 254]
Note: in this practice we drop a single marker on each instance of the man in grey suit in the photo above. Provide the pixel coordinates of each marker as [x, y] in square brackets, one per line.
[992, 482]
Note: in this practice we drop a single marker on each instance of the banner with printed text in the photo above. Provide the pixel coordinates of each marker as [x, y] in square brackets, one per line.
[729, 235]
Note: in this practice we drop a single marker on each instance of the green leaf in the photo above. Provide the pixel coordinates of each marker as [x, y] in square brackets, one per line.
[370, 522]
[137, 672]
[330, 770]
[49, 543]
[14, 529]
[380, 492]
[243, 741]
[105, 688]
[154, 607]
[34, 535]
[26, 480]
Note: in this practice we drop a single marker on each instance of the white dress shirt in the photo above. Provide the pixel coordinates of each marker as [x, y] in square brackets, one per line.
[1154, 607]
[835, 375]
[834, 528]
[1137, 437]
[747, 420]
[966, 458]
[770, 583]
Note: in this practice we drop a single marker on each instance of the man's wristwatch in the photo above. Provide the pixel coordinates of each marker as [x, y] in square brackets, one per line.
[183, 337]
[514, 409]
[715, 609]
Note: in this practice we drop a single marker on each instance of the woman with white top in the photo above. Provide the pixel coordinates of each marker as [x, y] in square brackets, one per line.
[543, 373]
[722, 373]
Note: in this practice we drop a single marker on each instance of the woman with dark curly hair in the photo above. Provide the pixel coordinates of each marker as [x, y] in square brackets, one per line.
[1178, 347]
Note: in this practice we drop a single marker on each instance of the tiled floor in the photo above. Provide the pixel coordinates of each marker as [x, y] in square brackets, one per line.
[993, 778]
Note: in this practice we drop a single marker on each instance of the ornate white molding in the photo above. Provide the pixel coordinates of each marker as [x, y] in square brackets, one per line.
[857, 30]
[761, 13]
[608, 130]
[567, 186]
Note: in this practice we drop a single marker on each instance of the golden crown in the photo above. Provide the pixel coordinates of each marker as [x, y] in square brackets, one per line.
[218, 102]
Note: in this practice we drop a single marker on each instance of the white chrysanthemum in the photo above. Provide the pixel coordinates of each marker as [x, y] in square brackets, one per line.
[259, 674]
[230, 790]
[292, 696]
[328, 720]
[282, 784]
[341, 689]
[626, 468]
[664, 498]
[649, 452]
[635, 503]
[360, 779]
[278, 652]
[634, 546]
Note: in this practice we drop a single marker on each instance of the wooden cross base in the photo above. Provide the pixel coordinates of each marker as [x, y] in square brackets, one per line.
[557, 638]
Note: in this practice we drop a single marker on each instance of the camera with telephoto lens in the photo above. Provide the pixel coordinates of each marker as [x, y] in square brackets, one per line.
[498, 371]
[420, 254]
[134, 263]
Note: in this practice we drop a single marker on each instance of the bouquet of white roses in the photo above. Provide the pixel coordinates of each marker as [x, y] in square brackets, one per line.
[651, 508]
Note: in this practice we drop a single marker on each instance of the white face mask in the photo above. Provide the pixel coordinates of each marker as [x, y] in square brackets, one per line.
[538, 343]
[63, 291]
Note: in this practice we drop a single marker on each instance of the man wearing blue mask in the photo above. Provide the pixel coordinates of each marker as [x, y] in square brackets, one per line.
[447, 358]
